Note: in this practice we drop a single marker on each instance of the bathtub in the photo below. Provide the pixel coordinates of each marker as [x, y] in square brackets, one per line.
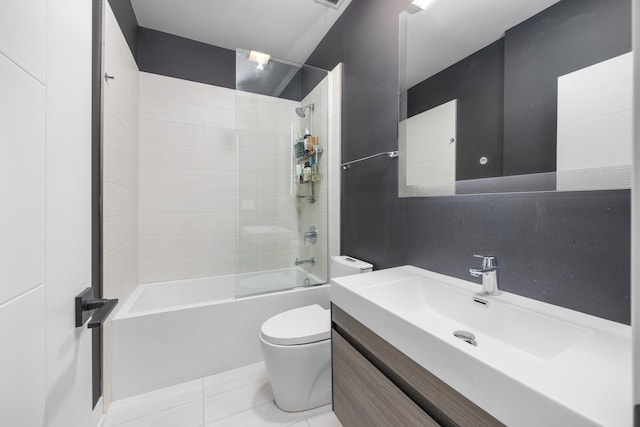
[171, 332]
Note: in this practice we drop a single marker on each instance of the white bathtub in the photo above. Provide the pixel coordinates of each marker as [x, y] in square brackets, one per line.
[171, 332]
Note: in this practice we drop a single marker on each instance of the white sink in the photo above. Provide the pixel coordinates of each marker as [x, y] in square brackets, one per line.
[494, 321]
[532, 363]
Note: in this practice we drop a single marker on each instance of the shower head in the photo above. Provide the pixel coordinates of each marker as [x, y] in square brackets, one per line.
[300, 110]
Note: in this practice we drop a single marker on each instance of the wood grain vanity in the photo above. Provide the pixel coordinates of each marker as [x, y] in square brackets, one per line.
[412, 347]
[374, 384]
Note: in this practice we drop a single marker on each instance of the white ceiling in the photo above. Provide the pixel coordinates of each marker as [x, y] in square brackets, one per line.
[450, 30]
[286, 29]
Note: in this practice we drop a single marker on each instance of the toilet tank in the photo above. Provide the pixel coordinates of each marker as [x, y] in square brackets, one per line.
[345, 266]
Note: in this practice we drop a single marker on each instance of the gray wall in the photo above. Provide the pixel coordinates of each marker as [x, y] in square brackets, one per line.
[173, 56]
[477, 83]
[569, 249]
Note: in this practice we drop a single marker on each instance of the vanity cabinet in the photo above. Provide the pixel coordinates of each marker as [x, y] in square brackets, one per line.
[374, 384]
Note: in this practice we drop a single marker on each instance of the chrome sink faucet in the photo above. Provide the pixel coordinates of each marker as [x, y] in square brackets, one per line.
[489, 273]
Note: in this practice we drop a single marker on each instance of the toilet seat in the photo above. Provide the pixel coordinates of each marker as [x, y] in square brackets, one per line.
[302, 325]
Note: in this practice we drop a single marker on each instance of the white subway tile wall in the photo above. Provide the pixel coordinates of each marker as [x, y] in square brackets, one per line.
[205, 176]
[120, 164]
[215, 201]
[187, 179]
[334, 159]
[120, 177]
[267, 218]
[316, 213]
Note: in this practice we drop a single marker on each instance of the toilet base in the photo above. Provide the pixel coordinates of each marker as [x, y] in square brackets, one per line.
[300, 375]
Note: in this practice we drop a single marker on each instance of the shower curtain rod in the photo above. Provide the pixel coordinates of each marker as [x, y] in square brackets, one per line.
[390, 154]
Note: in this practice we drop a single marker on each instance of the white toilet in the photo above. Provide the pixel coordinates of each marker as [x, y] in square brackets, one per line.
[296, 346]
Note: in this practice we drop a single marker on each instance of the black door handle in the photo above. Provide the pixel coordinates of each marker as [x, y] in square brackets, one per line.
[96, 309]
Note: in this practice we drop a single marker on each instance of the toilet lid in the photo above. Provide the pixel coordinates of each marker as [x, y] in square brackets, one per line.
[298, 326]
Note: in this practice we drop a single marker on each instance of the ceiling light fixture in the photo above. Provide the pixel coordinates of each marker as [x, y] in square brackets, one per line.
[422, 4]
[260, 58]
[418, 6]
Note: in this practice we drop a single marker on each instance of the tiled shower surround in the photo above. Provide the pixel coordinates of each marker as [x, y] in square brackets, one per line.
[187, 179]
[214, 201]
[120, 164]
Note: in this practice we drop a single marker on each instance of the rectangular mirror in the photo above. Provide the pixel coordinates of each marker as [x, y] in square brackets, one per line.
[514, 96]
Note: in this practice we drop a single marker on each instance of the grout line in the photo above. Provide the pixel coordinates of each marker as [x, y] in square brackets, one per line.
[203, 397]
[306, 420]
[142, 417]
[153, 395]
[241, 412]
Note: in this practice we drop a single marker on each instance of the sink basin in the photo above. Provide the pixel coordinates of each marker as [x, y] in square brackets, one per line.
[552, 365]
[493, 322]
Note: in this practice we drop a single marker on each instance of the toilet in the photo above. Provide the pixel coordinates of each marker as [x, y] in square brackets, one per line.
[296, 345]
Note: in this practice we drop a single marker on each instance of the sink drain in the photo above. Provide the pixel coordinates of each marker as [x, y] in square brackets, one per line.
[465, 336]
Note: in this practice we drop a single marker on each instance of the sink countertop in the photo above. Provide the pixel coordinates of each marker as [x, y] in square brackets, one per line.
[535, 363]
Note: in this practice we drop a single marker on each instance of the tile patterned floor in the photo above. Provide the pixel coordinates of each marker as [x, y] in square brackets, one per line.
[238, 398]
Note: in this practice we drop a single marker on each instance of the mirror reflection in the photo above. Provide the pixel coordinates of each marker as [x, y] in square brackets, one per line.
[508, 96]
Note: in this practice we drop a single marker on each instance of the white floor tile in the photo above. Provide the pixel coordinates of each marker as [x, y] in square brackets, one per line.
[266, 415]
[237, 398]
[317, 411]
[322, 417]
[231, 402]
[327, 419]
[236, 378]
[155, 401]
[182, 416]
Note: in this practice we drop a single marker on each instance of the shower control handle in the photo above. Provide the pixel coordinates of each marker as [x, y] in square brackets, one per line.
[311, 235]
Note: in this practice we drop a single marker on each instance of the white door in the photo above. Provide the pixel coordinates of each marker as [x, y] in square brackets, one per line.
[45, 212]
[68, 225]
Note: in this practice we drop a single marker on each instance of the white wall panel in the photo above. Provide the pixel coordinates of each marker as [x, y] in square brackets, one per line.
[22, 360]
[22, 213]
[23, 26]
[68, 219]
[22, 185]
